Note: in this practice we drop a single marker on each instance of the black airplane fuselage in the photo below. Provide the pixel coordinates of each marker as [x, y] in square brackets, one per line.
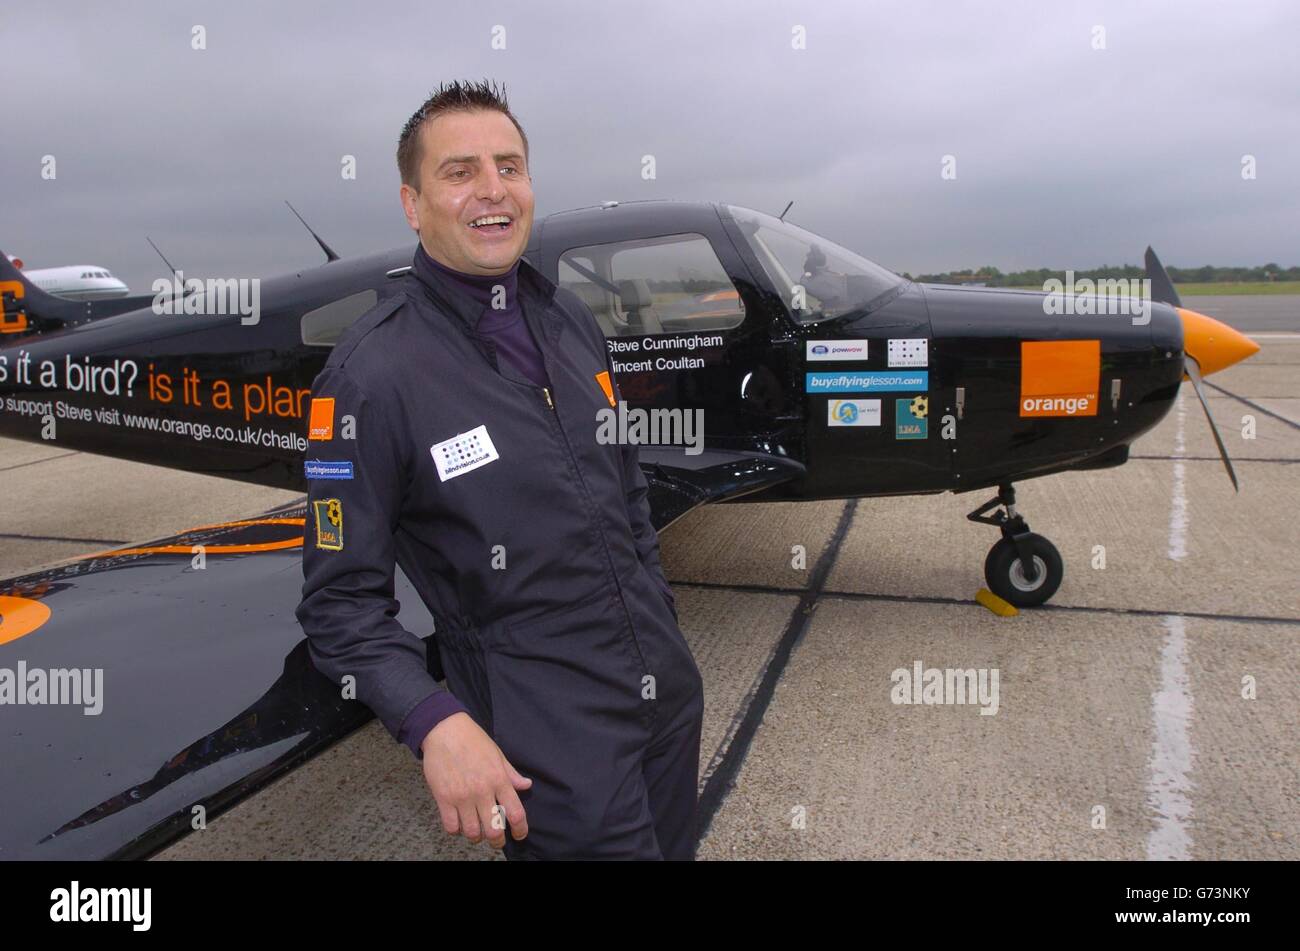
[223, 395]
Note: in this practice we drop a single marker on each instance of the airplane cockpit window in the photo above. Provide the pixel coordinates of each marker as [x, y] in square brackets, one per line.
[818, 279]
[666, 284]
[323, 326]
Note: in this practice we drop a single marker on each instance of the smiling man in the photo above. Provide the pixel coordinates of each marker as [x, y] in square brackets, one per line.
[453, 432]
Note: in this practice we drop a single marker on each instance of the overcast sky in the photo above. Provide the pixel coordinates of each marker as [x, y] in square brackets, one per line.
[1066, 155]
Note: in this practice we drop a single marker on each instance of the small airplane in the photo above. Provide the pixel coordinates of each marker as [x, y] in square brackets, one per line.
[74, 281]
[819, 375]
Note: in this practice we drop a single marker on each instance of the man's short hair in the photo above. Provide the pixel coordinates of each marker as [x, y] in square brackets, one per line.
[455, 96]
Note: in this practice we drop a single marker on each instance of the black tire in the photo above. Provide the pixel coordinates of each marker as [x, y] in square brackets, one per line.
[1006, 576]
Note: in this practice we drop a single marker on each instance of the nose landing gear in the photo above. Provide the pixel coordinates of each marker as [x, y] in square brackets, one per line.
[1022, 568]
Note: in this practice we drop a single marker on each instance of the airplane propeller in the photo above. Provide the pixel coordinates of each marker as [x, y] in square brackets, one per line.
[1193, 371]
[1208, 346]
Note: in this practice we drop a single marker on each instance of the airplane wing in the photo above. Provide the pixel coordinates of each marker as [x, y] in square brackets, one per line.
[193, 686]
[205, 693]
[679, 482]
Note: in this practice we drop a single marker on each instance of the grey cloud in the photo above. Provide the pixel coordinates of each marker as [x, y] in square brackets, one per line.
[1066, 156]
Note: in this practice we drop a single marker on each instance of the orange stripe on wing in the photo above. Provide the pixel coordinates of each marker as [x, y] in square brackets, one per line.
[243, 549]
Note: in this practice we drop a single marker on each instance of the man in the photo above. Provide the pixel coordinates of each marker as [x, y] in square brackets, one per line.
[457, 424]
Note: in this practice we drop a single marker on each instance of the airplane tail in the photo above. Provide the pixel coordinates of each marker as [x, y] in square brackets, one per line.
[28, 310]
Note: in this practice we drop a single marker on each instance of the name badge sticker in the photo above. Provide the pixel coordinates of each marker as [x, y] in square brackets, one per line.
[463, 453]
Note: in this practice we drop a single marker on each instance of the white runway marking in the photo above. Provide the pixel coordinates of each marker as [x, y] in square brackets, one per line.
[1178, 509]
[1168, 792]
[1171, 707]
[1274, 336]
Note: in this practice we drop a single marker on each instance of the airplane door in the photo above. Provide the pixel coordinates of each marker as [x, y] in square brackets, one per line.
[981, 377]
[682, 325]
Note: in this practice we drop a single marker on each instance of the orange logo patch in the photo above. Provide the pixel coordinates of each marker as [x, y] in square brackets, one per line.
[321, 423]
[603, 379]
[1059, 377]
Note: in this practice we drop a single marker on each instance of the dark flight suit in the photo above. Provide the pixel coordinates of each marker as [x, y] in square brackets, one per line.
[532, 549]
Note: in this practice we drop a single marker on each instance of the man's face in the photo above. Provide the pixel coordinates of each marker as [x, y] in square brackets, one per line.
[472, 166]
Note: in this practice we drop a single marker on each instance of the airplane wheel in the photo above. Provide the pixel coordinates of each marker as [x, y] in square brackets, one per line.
[1006, 576]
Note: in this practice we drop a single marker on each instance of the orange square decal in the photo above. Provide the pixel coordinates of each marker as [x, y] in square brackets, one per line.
[321, 423]
[1059, 377]
[603, 379]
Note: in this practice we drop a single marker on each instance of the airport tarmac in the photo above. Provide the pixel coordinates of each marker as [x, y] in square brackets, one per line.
[1120, 727]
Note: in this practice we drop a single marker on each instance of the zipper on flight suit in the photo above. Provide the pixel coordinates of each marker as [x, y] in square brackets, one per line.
[538, 335]
[600, 530]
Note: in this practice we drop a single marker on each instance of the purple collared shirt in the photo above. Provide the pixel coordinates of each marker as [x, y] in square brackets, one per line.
[504, 326]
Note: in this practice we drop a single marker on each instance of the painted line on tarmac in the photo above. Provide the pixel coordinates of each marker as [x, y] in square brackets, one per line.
[1171, 705]
[1235, 461]
[39, 461]
[1255, 406]
[1178, 498]
[920, 599]
[63, 538]
[1169, 789]
[722, 772]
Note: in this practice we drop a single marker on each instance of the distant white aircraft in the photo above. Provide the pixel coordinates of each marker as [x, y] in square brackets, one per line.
[74, 281]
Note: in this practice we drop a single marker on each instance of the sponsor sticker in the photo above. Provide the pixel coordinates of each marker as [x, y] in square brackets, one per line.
[909, 352]
[1059, 377]
[321, 421]
[463, 453]
[866, 381]
[329, 524]
[836, 349]
[853, 412]
[910, 420]
[328, 468]
[603, 379]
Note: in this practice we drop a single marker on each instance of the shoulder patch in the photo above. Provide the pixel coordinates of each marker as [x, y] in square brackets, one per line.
[320, 423]
[329, 524]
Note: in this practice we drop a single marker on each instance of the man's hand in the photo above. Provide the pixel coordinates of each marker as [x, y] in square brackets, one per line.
[468, 776]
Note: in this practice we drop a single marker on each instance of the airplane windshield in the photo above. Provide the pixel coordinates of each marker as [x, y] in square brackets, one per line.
[835, 281]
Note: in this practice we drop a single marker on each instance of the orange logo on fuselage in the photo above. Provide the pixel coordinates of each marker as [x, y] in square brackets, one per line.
[1059, 377]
